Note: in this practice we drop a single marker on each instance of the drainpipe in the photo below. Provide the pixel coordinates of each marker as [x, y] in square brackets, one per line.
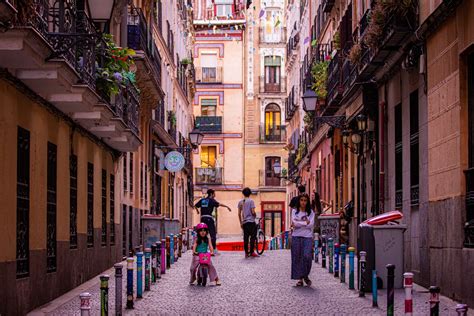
[382, 105]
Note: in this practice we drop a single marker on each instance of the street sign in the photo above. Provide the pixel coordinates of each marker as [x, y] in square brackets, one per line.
[174, 161]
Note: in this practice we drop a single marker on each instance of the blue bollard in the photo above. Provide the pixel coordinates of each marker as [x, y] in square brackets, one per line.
[331, 254]
[282, 241]
[374, 289]
[351, 268]
[130, 283]
[139, 274]
[323, 251]
[171, 249]
[287, 239]
[147, 268]
[343, 263]
[336, 260]
[316, 250]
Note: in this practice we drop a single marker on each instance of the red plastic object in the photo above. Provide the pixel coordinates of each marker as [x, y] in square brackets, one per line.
[384, 218]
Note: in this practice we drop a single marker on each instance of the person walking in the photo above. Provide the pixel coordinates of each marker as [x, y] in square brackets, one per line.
[302, 220]
[247, 216]
[207, 206]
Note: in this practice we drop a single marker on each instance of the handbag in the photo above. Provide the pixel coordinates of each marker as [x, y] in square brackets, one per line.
[205, 258]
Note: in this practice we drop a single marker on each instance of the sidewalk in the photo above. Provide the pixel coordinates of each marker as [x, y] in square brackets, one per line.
[249, 286]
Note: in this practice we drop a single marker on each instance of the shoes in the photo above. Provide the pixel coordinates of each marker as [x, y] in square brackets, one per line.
[218, 283]
[299, 283]
[308, 281]
[255, 255]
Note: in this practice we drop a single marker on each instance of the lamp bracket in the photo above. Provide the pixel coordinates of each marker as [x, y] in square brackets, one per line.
[338, 121]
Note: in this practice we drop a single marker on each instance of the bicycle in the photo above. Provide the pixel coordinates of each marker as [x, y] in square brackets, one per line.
[260, 242]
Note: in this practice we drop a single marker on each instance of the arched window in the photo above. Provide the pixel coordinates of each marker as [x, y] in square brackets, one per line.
[273, 130]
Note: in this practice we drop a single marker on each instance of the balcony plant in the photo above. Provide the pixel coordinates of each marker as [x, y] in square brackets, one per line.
[308, 121]
[300, 153]
[113, 71]
[186, 61]
[355, 53]
[172, 118]
[319, 71]
[337, 40]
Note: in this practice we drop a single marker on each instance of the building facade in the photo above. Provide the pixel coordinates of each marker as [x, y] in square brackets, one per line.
[64, 129]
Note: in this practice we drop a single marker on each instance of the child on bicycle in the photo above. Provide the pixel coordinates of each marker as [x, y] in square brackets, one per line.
[201, 245]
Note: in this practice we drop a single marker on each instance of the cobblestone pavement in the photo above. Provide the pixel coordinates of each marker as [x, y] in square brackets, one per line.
[249, 286]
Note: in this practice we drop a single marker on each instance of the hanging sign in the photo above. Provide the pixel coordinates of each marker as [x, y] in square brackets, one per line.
[174, 161]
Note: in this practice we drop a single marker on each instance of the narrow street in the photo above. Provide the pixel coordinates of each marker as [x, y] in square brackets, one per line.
[259, 286]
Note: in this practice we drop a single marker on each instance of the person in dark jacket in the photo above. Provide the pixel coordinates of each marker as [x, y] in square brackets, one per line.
[295, 199]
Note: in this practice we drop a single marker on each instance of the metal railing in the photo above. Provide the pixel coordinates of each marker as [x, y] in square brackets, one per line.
[208, 175]
[272, 134]
[209, 74]
[267, 178]
[279, 87]
[209, 124]
[272, 35]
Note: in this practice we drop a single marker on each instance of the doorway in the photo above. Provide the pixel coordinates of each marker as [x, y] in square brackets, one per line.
[273, 214]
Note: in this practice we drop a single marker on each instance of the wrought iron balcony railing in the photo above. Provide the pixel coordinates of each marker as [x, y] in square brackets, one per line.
[209, 124]
[328, 5]
[334, 87]
[277, 87]
[209, 74]
[272, 35]
[209, 175]
[272, 134]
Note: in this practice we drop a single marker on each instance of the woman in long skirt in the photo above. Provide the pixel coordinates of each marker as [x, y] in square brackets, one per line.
[302, 219]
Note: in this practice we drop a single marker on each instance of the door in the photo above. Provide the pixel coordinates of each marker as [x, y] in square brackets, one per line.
[271, 179]
[273, 223]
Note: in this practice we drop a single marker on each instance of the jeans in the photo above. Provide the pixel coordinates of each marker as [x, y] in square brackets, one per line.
[250, 232]
[212, 229]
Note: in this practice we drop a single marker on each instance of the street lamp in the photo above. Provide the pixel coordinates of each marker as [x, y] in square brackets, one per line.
[356, 138]
[310, 99]
[100, 11]
[277, 168]
[345, 136]
[196, 137]
[361, 122]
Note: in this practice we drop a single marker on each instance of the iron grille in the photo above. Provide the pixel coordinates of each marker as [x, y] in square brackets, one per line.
[90, 204]
[73, 201]
[112, 209]
[23, 204]
[104, 208]
[51, 228]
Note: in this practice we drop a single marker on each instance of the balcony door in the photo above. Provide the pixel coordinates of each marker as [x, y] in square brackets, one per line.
[208, 156]
[273, 122]
[272, 73]
[209, 67]
[271, 179]
[208, 107]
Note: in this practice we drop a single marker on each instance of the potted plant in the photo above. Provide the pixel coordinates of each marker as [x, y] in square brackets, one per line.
[308, 121]
[355, 53]
[374, 31]
[172, 118]
[337, 40]
[186, 61]
[319, 72]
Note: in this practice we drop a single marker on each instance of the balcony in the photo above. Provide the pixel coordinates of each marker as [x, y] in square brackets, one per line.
[209, 175]
[209, 124]
[209, 74]
[279, 87]
[328, 5]
[272, 36]
[56, 52]
[267, 178]
[273, 134]
[334, 85]
[147, 58]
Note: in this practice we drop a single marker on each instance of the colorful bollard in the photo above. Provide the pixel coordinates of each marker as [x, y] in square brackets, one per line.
[175, 248]
[130, 283]
[287, 239]
[171, 249]
[139, 274]
[351, 268]
[180, 245]
[323, 251]
[159, 257]
[85, 303]
[374, 289]
[282, 240]
[362, 262]
[118, 289]
[408, 285]
[163, 256]
[316, 250]
[154, 273]
[461, 309]
[147, 268]
[104, 295]
[390, 289]
[336, 260]
[168, 251]
[434, 300]
[343, 263]
[331, 254]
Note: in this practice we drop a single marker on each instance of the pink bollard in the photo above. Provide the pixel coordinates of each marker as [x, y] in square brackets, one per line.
[408, 285]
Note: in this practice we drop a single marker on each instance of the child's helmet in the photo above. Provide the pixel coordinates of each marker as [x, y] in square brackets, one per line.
[201, 226]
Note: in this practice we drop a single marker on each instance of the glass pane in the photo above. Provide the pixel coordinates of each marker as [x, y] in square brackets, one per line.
[277, 222]
[268, 224]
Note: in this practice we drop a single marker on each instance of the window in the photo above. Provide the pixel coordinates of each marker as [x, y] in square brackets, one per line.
[209, 67]
[51, 187]
[112, 209]
[414, 149]
[273, 123]
[273, 26]
[142, 182]
[104, 208]
[224, 8]
[125, 184]
[208, 107]
[272, 73]
[146, 183]
[90, 204]
[73, 202]
[398, 157]
[271, 179]
[208, 156]
[23, 204]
